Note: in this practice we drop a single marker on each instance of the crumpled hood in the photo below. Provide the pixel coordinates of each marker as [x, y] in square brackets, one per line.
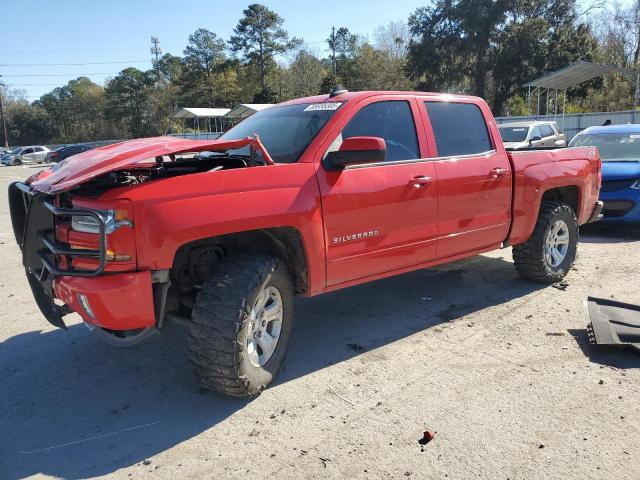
[612, 170]
[81, 168]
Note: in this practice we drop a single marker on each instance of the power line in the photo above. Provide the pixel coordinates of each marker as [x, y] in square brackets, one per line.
[73, 50]
[61, 74]
[32, 84]
[68, 64]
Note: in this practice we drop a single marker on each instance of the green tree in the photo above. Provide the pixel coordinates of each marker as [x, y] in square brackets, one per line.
[393, 40]
[329, 82]
[345, 45]
[127, 103]
[205, 52]
[259, 36]
[76, 111]
[454, 40]
[491, 47]
[27, 124]
[170, 68]
[304, 76]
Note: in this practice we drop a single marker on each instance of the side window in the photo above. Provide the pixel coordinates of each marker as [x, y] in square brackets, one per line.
[536, 132]
[39, 149]
[546, 130]
[26, 151]
[391, 120]
[459, 128]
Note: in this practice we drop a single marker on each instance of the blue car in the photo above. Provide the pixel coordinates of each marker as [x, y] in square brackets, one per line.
[619, 147]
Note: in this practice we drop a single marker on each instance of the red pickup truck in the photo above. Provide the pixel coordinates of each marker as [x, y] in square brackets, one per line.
[309, 196]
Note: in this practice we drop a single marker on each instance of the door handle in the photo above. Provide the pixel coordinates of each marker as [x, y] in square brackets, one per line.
[498, 172]
[420, 181]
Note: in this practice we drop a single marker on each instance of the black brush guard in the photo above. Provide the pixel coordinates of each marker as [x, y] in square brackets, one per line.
[33, 216]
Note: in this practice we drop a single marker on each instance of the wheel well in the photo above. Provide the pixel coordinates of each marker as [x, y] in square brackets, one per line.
[569, 195]
[196, 258]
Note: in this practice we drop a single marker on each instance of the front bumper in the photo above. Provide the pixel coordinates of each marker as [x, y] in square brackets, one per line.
[122, 301]
[114, 301]
[621, 206]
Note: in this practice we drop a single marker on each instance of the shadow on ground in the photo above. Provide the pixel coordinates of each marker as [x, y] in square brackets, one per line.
[609, 232]
[65, 395]
[610, 356]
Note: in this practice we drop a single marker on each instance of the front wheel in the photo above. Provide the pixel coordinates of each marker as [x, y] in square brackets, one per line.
[241, 324]
[551, 250]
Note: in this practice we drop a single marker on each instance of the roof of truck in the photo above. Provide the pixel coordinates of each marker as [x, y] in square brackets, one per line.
[343, 97]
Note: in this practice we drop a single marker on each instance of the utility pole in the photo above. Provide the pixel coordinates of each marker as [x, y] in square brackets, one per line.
[333, 49]
[4, 125]
[155, 50]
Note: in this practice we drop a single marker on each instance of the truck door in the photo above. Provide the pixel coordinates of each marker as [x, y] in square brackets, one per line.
[474, 178]
[379, 217]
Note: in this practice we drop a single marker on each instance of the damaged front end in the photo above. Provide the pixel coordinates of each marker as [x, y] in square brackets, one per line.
[33, 219]
[80, 255]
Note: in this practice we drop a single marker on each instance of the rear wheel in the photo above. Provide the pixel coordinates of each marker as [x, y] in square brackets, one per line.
[551, 250]
[241, 324]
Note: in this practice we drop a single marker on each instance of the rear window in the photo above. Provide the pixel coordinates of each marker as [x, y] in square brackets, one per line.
[459, 128]
[514, 134]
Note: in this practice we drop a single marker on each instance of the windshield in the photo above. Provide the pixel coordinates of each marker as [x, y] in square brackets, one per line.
[514, 134]
[285, 131]
[15, 150]
[611, 146]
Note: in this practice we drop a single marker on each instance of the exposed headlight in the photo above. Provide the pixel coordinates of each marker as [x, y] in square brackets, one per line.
[636, 185]
[113, 219]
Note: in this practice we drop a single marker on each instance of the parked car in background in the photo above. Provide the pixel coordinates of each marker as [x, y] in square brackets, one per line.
[32, 154]
[619, 147]
[533, 134]
[61, 153]
[10, 156]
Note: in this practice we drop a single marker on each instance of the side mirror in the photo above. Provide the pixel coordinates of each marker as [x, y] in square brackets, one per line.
[356, 150]
[535, 139]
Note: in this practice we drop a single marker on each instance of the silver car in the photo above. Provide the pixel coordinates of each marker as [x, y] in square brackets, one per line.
[522, 135]
[19, 155]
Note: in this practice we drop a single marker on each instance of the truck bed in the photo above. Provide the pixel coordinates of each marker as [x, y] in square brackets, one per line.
[575, 170]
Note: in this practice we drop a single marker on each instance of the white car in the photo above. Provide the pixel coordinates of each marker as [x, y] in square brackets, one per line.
[32, 154]
[523, 135]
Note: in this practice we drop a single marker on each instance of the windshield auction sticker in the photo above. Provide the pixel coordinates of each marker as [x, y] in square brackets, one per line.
[323, 106]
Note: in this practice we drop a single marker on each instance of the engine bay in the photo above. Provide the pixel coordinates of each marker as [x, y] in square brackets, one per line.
[165, 167]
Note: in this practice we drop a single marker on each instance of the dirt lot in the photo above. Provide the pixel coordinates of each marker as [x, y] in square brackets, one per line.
[463, 350]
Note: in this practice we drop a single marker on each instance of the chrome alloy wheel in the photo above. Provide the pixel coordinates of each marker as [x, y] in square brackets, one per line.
[264, 326]
[556, 244]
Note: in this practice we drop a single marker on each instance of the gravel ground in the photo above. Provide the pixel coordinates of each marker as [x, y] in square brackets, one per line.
[463, 350]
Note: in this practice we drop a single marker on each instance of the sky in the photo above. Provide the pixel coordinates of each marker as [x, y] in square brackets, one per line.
[36, 34]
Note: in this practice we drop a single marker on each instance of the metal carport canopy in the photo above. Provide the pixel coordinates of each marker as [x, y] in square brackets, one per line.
[246, 109]
[191, 112]
[577, 73]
